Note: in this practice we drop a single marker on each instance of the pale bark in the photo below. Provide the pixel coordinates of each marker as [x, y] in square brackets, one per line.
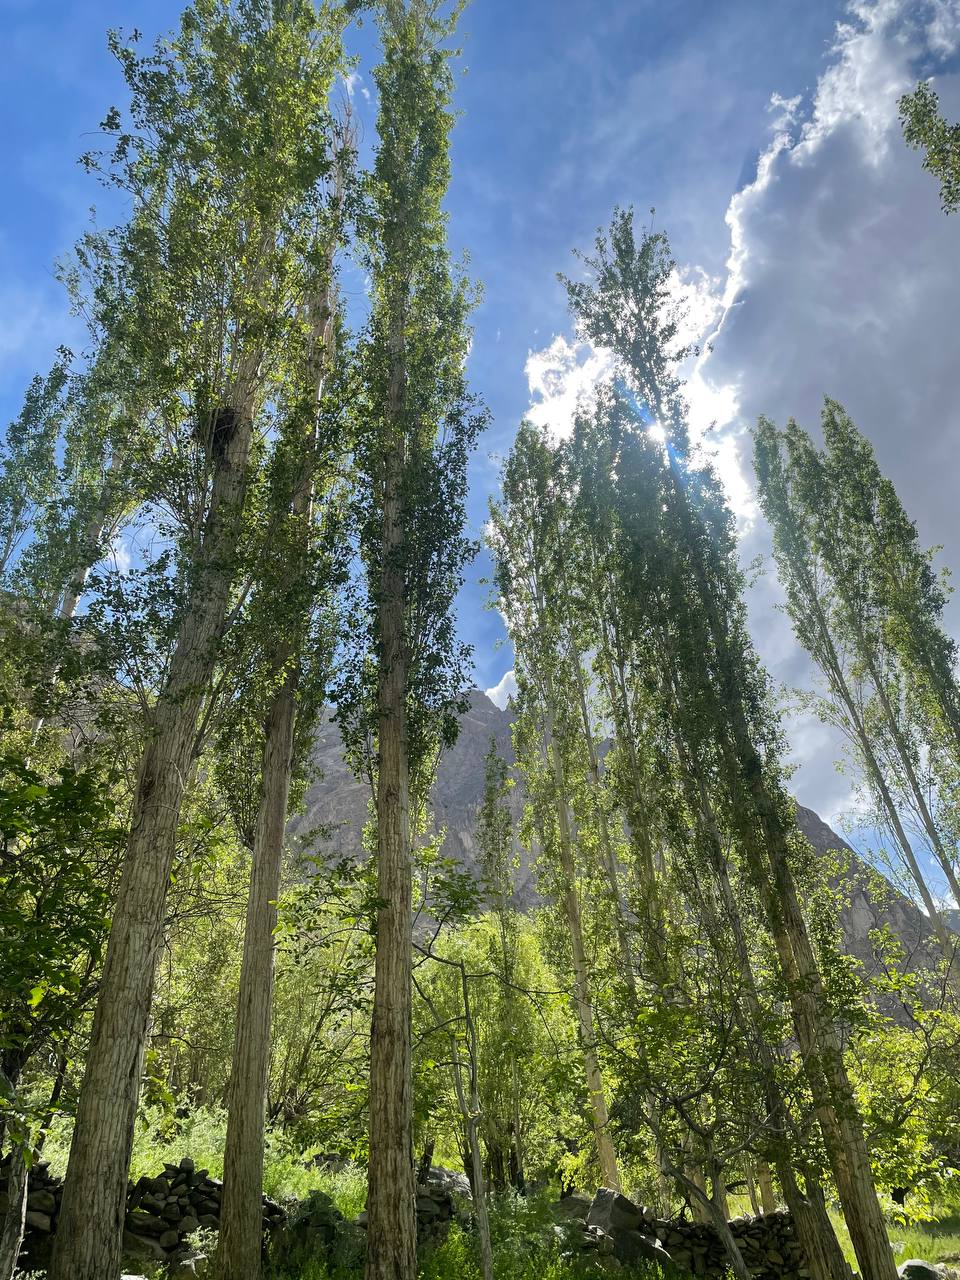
[470, 1113]
[92, 1214]
[768, 1197]
[14, 1221]
[606, 844]
[582, 986]
[241, 1222]
[391, 1211]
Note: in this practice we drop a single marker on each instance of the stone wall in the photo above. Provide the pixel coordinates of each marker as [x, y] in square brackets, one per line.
[162, 1212]
[613, 1225]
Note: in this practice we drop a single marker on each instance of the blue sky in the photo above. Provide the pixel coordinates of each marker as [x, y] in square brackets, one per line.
[764, 132]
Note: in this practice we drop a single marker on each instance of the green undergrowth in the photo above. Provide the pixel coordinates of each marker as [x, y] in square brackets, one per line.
[526, 1246]
[288, 1174]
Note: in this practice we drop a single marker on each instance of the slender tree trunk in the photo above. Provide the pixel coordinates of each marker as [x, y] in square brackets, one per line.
[239, 1247]
[582, 998]
[92, 1213]
[240, 1243]
[768, 1197]
[606, 844]
[470, 1111]
[14, 1221]
[391, 1213]
[764, 835]
[814, 1228]
[426, 1162]
[833, 1095]
[829, 660]
[48, 1116]
[751, 1182]
[891, 715]
[711, 1212]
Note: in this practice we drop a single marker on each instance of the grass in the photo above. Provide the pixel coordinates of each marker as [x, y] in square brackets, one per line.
[935, 1241]
[287, 1174]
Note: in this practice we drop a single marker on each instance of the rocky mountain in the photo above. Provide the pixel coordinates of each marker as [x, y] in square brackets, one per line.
[337, 803]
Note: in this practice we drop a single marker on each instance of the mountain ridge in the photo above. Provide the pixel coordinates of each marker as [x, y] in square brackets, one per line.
[336, 802]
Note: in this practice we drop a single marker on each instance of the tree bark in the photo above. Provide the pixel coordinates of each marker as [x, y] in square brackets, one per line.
[240, 1243]
[92, 1214]
[470, 1111]
[14, 1221]
[581, 995]
[391, 1211]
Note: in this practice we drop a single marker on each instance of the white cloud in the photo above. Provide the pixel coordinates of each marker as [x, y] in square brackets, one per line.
[503, 690]
[121, 554]
[353, 81]
[560, 377]
[842, 280]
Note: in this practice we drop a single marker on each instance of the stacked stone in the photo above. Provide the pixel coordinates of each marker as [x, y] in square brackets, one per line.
[162, 1212]
[769, 1245]
[614, 1226]
[435, 1212]
[44, 1193]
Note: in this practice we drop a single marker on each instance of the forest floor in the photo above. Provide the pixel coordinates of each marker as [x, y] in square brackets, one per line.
[201, 1136]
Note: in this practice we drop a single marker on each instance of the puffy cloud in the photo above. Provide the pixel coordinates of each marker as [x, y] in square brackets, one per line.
[503, 690]
[560, 377]
[843, 280]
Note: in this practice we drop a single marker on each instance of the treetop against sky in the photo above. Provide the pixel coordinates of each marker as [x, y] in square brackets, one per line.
[814, 256]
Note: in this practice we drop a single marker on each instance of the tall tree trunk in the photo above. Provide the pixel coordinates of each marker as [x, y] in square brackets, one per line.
[606, 844]
[15, 1218]
[239, 1247]
[470, 1112]
[391, 1211]
[813, 1226]
[764, 836]
[826, 1072]
[240, 1242]
[94, 1200]
[582, 997]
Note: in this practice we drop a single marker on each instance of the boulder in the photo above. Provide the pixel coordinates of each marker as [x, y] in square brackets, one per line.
[42, 1201]
[612, 1212]
[451, 1181]
[573, 1207]
[142, 1223]
[632, 1246]
[142, 1248]
[918, 1269]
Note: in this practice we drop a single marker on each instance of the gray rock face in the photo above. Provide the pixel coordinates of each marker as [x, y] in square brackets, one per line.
[338, 803]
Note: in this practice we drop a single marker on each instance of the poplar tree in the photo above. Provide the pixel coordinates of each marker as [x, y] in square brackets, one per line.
[525, 538]
[294, 618]
[222, 161]
[415, 427]
[862, 598]
[680, 566]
